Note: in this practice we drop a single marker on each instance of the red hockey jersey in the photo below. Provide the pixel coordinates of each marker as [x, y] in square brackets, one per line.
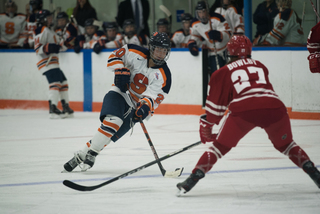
[242, 85]
[313, 43]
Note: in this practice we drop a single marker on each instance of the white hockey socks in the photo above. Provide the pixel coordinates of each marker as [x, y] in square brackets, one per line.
[54, 95]
[64, 94]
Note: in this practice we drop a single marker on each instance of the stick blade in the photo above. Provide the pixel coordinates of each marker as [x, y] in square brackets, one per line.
[78, 187]
[165, 10]
[174, 174]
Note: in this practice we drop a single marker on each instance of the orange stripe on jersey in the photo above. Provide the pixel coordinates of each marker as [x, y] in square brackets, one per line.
[111, 56]
[164, 77]
[42, 29]
[216, 18]
[196, 22]
[115, 63]
[113, 125]
[138, 52]
[41, 61]
[104, 133]
[278, 33]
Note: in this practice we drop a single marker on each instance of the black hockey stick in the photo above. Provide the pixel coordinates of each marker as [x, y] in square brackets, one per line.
[165, 173]
[75, 186]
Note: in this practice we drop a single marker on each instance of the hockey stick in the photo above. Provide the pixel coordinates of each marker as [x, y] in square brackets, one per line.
[165, 173]
[314, 9]
[168, 14]
[79, 187]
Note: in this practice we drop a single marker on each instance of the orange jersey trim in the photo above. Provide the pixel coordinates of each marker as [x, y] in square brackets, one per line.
[138, 52]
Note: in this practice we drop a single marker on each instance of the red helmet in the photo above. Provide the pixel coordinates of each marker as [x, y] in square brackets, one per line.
[239, 46]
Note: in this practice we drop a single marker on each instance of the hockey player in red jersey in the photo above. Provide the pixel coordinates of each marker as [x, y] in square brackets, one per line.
[243, 87]
[47, 51]
[142, 81]
[313, 45]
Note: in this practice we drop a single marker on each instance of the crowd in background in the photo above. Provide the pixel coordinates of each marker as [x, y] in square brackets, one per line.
[81, 29]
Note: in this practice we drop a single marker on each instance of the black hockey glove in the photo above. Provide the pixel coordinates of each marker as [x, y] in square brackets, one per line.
[77, 49]
[97, 48]
[215, 35]
[122, 78]
[193, 48]
[143, 110]
[50, 48]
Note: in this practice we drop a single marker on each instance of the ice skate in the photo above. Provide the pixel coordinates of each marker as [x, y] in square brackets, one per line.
[89, 160]
[190, 182]
[73, 163]
[313, 172]
[55, 113]
[67, 111]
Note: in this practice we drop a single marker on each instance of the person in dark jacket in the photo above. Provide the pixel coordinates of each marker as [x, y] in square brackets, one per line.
[264, 15]
[84, 11]
[127, 10]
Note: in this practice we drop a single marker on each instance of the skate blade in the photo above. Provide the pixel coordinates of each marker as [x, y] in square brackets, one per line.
[55, 116]
[180, 192]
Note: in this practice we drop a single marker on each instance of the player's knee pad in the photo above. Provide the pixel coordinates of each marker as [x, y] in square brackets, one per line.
[110, 125]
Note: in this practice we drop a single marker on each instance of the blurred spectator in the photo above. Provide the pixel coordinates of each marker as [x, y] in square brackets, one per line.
[234, 19]
[84, 11]
[163, 26]
[130, 36]
[65, 30]
[12, 27]
[113, 37]
[90, 37]
[264, 15]
[127, 10]
[238, 4]
[181, 37]
[27, 11]
[35, 7]
[287, 28]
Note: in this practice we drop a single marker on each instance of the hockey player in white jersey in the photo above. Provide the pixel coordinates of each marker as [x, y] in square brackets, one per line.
[12, 27]
[111, 39]
[230, 13]
[130, 34]
[35, 7]
[90, 37]
[47, 51]
[287, 28]
[215, 33]
[142, 81]
[66, 30]
[181, 37]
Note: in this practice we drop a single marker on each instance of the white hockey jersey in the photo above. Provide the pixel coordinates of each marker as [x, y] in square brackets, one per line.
[179, 39]
[145, 82]
[31, 27]
[287, 30]
[136, 40]
[90, 41]
[234, 19]
[116, 43]
[42, 36]
[13, 30]
[199, 31]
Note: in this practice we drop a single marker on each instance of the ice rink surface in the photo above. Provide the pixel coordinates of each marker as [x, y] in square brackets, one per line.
[251, 178]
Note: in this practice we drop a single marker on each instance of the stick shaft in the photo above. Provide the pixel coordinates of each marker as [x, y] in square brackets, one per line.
[163, 171]
[75, 186]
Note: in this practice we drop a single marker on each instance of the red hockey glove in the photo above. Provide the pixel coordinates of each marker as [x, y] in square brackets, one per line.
[314, 62]
[206, 130]
[143, 110]
[122, 78]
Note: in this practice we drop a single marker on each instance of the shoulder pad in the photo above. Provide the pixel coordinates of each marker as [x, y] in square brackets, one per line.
[218, 16]
[39, 30]
[167, 74]
[139, 50]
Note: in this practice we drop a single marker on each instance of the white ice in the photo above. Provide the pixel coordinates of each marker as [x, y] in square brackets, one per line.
[251, 178]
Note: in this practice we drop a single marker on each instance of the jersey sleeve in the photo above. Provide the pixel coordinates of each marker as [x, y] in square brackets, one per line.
[195, 35]
[117, 58]
[237, 21]
[313, 43]
[40, 39]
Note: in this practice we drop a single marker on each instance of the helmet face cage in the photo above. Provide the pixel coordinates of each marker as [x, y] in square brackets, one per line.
[11, 7]
[111, 30]
[239, 46]
[62, 19]
[186, 19]
[202, 12]
[159, 47]
[35, 5]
